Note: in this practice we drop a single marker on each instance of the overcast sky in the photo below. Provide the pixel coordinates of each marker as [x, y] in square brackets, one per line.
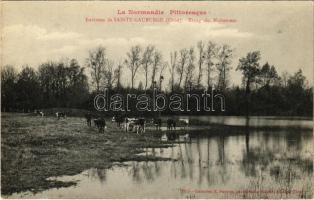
[35, 32]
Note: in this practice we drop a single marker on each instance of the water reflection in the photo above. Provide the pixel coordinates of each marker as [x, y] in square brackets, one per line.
[254, 160]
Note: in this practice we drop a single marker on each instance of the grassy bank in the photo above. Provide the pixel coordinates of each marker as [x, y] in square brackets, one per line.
[34, 149]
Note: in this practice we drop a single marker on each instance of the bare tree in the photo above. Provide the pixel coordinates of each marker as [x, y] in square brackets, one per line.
[157, 60]
[284, 78]
[117, 75]
[223, 65]
[97, 63]
[133, 62]
[147, 60]
[109, 77]
[173, 61]
[189, 69]
[210, 55]
[184, 55]
[164, 66]
[201, 59]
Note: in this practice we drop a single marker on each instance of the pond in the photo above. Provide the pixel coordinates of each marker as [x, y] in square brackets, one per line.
[256, 164]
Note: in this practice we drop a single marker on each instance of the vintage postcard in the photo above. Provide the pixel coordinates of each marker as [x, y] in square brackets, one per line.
[161, 99]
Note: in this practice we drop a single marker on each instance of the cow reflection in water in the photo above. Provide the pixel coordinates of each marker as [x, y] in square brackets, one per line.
[100, 174]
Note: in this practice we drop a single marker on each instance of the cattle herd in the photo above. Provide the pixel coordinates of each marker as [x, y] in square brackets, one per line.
[129, 124]
[134, 123]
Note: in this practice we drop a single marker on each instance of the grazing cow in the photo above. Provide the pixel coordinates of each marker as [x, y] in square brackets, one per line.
[39, 113]
[171, 124]
[157, 123]
[100, 123]
[118, 119]
[185, 122]
[129, 123]
[88, 118]
[138, 124]
[60, 114]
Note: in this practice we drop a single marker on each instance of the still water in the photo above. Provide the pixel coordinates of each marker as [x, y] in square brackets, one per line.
[253, 164]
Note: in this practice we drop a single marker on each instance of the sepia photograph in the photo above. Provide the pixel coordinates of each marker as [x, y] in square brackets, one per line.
[157, 99]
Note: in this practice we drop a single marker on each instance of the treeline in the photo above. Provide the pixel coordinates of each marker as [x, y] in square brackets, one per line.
[62, 84]
[206, 66]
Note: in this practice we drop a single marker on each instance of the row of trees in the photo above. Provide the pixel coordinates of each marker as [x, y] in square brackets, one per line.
[62, 84]
[207, 65]
[205, 60]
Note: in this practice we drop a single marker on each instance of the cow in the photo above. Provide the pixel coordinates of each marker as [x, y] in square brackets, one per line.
[88, 118]
[138, 124]
[184, 121]
[119, 120]
[100, 123]
[157, 123]
[171, 124]
[39, 113]
[60, 114]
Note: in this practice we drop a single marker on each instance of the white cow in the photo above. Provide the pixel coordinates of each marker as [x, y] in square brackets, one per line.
[39, 113]
[184, 121]
[136, 124]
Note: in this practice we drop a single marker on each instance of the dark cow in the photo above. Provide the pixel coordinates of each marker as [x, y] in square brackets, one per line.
[140, 125]
[60, 114]
[171, 124]
[157, 123]
[39, 113]
[100, 123]
[88, 118]
[118, 119]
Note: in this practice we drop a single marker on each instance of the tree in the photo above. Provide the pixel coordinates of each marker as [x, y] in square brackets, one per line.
[184, 55]
[189, 69]
[298, 96]
[173, 61]
[117, 75]
[173, 64]
[97, 63]
[109, 78]
[8, 92]
[133, 62]
[223, 66]
[284, 78]
[210, 55]
[62, 84]
[161, 76]
[250, 68]
[157, 61]
[201, 59]
[140, 86]
[77, 85]
[46, 76]
[268, 75]
[297, 81]
[28, 89]
[147, 60]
